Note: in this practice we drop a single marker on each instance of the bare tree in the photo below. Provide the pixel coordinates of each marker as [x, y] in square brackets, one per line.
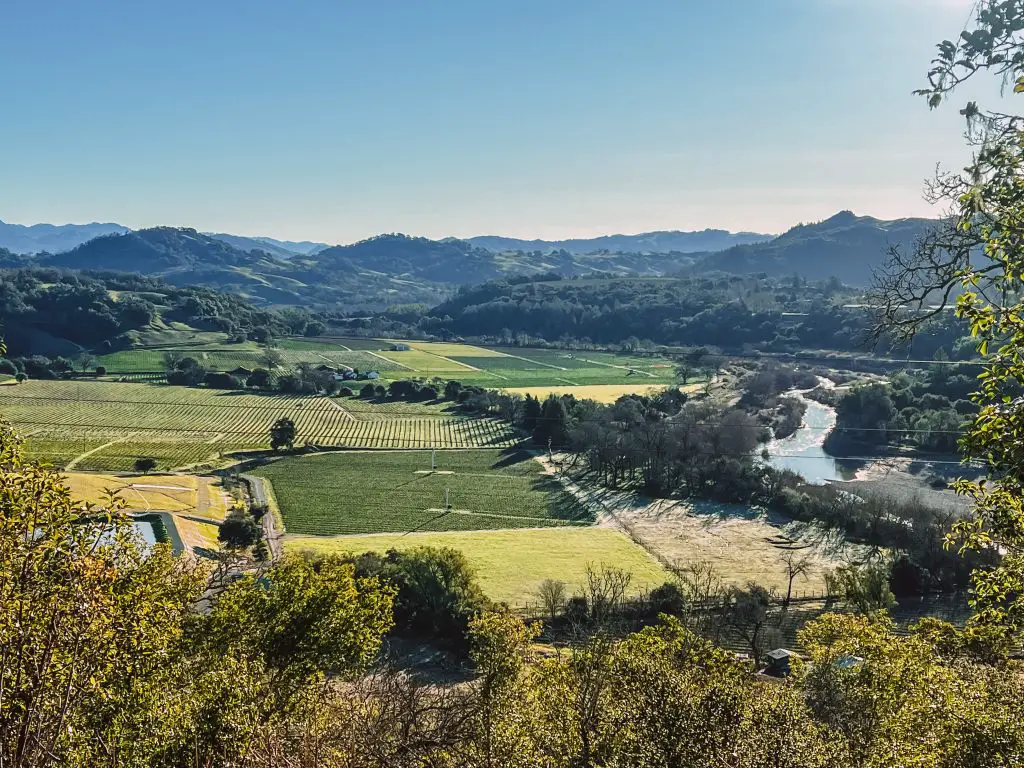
[705, 594]
[796, 565]
[552, 596]
[606, 590]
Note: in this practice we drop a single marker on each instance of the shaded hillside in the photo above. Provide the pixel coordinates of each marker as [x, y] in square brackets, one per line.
[36, 238]
[51, 311]
[733, 313]
[845, 246]
[647, 242]
[440, 261]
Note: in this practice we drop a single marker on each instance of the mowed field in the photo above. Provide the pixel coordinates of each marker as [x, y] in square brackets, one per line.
[511, 565]
[601, 393]
[373, 492]
[193, 494]
[107, 425]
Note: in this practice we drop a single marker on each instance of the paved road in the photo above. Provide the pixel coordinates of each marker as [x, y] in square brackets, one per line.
[260, 497]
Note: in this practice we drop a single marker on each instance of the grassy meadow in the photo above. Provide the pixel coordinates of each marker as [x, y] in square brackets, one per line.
[511, 564]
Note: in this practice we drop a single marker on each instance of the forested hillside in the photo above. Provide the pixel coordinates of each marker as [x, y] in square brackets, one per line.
[845, 246]
[730, 312]
[53, 312]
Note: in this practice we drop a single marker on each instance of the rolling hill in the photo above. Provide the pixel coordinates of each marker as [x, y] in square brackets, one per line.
[845, 246]
[647, 242]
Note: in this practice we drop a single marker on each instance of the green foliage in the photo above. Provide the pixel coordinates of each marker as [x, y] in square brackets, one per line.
[239, 531]
[864, 588]
[436, 593]
[976, 257]
[282, 434]
[145, 464]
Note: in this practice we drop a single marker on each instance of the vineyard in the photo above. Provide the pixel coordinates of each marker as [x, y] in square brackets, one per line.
[106, 425]
[346, 493]
[490, 367]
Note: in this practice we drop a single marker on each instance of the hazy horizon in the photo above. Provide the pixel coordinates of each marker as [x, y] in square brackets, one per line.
[335, 122]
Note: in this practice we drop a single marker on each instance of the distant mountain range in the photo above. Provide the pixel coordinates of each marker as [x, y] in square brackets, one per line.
[398, 269]
[36, 238]
[647, 242]
[283, 248]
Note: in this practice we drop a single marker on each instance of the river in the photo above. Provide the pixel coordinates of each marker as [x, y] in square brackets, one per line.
[802, 452]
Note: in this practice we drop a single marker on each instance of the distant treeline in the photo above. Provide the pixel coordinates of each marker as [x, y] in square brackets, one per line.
[731, 313]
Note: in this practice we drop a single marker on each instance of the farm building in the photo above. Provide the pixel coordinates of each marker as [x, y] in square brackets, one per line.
[371, 375]
[779, 662]
[400, 347]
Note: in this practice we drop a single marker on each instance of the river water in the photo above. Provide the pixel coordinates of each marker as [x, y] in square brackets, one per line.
[802, 452]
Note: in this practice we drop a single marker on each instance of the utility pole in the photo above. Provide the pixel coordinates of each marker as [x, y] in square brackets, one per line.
[433, 459]
[447, 503]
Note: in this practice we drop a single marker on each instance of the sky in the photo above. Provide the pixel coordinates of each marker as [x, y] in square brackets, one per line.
[332, 120]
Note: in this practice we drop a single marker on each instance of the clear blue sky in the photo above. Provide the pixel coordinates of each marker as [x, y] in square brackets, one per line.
[334, 120]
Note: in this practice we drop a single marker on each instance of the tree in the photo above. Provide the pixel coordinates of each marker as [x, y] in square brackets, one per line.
[20, 377]
[259, 379]
[145, 464]
[552, 596]
[101, 370]
[66, 673]
[747, 613]
[864, 588]
[683, 371]
[282, 434]
[975, 258]
[315, 328]
[239, 531]
[796, 565]
[271, 358]
[437, 593]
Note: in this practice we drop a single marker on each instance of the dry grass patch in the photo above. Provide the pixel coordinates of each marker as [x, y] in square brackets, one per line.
[193, 494]
[602, 393]
[742, 543]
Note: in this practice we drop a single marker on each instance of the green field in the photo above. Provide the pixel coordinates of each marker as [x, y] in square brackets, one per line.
[491, 367]
[346, 493]
[107, 425]
[511, 565]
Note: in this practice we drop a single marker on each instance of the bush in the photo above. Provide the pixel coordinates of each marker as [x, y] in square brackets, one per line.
[216, 380]
[101, 371]
[368, 391]
[576, 610]
[239, 531]
[345, 392]
[668, 598]
[437, 592]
